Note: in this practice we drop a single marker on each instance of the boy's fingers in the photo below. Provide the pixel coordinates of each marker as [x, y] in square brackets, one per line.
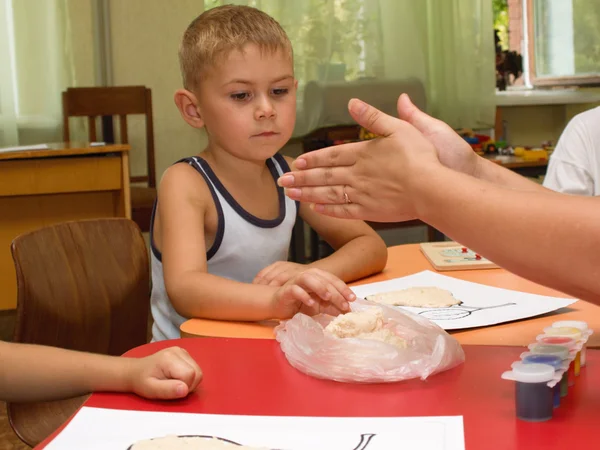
[299, 294]
[310, 281]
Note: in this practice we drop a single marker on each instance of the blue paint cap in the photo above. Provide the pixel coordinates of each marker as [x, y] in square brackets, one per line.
[551, 360]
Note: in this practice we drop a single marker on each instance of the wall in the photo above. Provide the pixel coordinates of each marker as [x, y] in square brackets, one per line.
[531, 125]
[145, 36]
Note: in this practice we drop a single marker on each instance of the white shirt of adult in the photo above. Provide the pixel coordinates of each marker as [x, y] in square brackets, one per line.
[574, 166]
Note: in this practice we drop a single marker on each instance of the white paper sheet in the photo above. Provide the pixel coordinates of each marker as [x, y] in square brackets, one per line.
[107, 429]
[482, 305]
[24, 148]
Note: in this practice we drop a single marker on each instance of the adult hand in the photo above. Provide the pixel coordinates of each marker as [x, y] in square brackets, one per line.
[453, 151]
[371, 180]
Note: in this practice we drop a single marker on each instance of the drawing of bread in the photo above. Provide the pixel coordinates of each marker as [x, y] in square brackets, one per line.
[175, 442]
[419, 297]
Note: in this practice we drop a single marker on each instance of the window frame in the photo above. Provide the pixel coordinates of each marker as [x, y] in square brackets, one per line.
[562, 81]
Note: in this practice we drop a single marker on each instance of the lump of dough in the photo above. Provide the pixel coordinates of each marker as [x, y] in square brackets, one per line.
[420, 297]
[188, 443]
[384, 335]
[354, 323]
[366, 324]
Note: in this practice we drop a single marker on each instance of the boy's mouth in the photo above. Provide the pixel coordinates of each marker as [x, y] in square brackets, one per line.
[266, 134]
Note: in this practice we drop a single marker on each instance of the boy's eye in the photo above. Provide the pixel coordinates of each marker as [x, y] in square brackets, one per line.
[240, 96]
[280, 91]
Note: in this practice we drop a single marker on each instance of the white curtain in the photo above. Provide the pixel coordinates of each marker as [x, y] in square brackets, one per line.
[36, 66]
[445, 44]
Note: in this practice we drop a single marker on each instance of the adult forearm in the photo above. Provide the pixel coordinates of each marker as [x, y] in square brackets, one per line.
[32, 372]
[358, 258]
[212, 297]
[549, 238]
[494, 173]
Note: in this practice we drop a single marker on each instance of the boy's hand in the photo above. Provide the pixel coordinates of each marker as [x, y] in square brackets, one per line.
[312, 292]
[279, 273]
[168, 374]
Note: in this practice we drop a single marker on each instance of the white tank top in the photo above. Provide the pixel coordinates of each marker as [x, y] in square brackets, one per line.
[244, 244]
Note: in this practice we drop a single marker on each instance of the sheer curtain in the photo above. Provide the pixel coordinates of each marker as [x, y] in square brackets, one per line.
[37, 65]
[445, 44]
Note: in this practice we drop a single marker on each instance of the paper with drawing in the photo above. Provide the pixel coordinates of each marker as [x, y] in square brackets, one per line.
[481, 305]
[107, 429]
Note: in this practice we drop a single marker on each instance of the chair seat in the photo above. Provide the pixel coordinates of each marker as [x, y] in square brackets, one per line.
[142, 197]
[142, 202]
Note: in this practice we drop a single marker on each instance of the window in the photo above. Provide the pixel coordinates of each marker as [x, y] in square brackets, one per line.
[561, 39]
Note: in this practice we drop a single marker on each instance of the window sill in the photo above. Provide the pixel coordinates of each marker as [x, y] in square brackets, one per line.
[539, 97]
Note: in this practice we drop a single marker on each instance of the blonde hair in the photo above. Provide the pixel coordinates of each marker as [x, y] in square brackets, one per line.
[218, 31]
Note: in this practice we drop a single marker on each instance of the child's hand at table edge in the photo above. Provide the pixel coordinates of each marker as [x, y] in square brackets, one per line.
[168, 374]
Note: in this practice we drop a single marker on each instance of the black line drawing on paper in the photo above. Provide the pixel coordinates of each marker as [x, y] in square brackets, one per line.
[456, 312]
[365, 439]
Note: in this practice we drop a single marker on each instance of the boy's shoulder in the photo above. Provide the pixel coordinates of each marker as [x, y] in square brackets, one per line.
[182, 179]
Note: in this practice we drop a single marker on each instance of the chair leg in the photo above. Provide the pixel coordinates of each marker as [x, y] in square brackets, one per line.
[314, 245]
[434, 235]
[297, 250]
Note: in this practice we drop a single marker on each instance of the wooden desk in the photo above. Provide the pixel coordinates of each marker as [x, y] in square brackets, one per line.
[253, 377]
[407, 259]
[520, 165]
[68, 181]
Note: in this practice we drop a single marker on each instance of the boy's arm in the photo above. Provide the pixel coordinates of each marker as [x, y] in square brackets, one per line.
[40, 373]
[183, 199]
[359, 250]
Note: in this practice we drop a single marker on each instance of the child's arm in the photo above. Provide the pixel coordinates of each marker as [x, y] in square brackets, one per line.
[360, 251]
[39, 373]
[183, 201]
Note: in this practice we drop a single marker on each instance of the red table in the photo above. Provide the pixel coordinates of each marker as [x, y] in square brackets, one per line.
[252, 376]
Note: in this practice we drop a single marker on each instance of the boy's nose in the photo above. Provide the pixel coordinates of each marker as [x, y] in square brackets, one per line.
[265, 110]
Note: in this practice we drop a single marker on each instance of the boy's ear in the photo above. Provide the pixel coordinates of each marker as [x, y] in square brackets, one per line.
[188, 107]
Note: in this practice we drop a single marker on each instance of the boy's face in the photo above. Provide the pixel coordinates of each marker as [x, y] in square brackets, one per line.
[248, 103]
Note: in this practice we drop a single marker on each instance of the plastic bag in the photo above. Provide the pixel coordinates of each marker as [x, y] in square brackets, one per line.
[314, 351]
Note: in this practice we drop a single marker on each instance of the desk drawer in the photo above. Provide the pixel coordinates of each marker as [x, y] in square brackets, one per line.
[60, 175]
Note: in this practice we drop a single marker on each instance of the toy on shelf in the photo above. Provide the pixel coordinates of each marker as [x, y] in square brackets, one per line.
[365, 135]
[481, 143]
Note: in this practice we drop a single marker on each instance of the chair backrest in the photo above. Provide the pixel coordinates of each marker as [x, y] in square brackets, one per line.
[82, 286]
[121, 101]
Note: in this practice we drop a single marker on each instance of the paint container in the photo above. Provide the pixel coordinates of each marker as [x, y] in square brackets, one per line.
[573, 333]
[553, 361]
[533, 396]
[560, 351]
[566, 341]
[545, 349]
[585, 331]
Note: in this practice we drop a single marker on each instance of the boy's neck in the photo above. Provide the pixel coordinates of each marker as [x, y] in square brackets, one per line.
[224, 163]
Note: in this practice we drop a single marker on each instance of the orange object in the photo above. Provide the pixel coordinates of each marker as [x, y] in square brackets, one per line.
[408, 259]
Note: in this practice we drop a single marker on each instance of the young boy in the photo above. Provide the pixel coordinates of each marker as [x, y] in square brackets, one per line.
[40, 373]
[222, 227]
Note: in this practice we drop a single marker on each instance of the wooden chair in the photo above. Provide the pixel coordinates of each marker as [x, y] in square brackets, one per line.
[121, 101]
[328, 136]
[82, 286]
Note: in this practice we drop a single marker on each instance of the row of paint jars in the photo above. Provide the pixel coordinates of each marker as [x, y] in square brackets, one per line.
[544, 374]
